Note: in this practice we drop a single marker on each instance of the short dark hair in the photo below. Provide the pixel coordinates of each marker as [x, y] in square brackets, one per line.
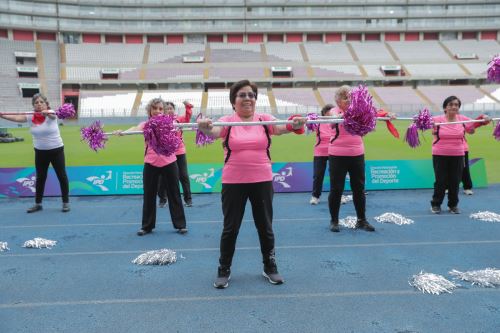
[326, 108]
[449, 99]
[170, 103]
[237, 86]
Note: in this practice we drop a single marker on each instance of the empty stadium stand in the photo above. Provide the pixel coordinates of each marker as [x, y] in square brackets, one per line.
[430, 71]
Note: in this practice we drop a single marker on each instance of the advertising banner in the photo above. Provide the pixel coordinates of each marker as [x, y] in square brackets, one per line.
[206, 178]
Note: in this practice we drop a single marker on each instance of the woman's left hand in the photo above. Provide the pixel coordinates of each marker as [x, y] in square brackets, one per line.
[298, 122]
[487, 119]
[48, 113]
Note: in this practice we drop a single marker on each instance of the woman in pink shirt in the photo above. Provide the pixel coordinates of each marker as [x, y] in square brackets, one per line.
[323, 134]
[181, 158]
[346, 155]
[155, 165]
[466, 178]
[247, 175]
[448, 155]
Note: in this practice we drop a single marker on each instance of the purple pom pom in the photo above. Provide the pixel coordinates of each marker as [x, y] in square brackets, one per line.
[161, 135]
[423, 120]
[496, 132]
[94, 136]
[67, 110]
[361, 116]
[312, 127]
[201, 138]
[411, 136]
[494, 69]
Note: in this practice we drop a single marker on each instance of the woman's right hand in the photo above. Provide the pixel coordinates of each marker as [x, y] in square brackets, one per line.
[205, 125]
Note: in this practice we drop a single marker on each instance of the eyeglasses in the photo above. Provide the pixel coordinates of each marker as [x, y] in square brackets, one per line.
[249, 95]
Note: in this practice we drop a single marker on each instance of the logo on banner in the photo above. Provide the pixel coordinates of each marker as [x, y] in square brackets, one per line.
[100, 180]
[281, 176]
[201, 178]
[28, 183]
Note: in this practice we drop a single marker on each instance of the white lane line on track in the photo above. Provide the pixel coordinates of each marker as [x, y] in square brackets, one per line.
[409, 292]
[219, 221]
[308, 219]
[55, 206]
[257, 248]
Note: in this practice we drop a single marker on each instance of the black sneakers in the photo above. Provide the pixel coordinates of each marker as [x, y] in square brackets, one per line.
[454, 210]
[35, 208]
[435, 210]
[363, 224]
[182, 231]
[273, 276]
[65, 207]
[223, 277]
[143, 232]
[271, 272]
[334, 226]
[188, 203]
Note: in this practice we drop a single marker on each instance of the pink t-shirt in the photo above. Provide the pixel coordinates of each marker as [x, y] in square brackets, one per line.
[183, 119]
[155, 159]
[182, 147]
[449, 139]
[248, 161]
[343, 143]
[466, 146]
[323, 134]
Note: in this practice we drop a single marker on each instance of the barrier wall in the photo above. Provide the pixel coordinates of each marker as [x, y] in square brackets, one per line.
[206, 178]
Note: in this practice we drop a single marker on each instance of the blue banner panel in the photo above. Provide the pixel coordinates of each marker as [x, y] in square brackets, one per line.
[206, 178]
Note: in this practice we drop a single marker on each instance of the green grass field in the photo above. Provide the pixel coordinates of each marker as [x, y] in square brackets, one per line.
[127, 150]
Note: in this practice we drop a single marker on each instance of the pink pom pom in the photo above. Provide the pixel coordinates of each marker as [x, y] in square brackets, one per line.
[494, 69]
[312, 127]
[411, 136]
[496, 132]
[67, 110]
[423, 120]
[94, 136]
[160, 134]
[361, 116]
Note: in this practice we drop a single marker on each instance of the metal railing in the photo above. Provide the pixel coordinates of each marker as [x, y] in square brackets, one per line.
[122, 115]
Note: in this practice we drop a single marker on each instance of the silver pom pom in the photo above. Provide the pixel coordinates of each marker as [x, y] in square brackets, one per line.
[486, 216]
[39, 243]
[156, 257]
[345, 199]
[393, 218]
[4, 246]
[349, 222]
[432, 283]
[489, 277]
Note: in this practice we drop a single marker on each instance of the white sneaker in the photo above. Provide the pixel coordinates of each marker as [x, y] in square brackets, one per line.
[468, 192]
[314, 201]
